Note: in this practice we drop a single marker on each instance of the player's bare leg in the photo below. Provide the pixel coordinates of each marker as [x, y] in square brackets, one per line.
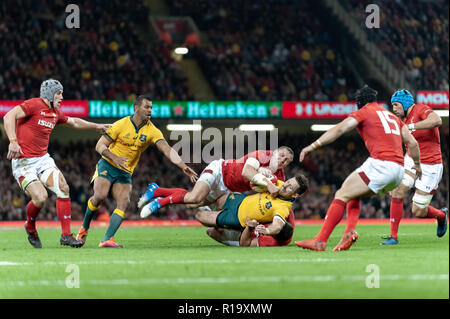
[224, 236]
[207, 218]
[38, 195]
[198, 193]
[422, 209]
[101, 190]
[353, 187]
[56, 182]
[121, 193]
[396, 210]
[178, 196]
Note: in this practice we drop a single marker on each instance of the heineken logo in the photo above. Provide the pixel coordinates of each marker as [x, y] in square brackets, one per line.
[189, 109]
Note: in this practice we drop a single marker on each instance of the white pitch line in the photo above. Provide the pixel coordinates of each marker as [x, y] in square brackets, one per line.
[224, 280]
[166, 262]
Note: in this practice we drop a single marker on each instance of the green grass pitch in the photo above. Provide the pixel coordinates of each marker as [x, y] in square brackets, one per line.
[182, 262]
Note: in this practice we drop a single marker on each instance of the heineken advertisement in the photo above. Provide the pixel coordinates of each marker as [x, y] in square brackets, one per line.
[190, 109]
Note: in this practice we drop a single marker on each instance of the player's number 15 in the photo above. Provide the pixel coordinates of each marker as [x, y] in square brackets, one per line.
[385, 120]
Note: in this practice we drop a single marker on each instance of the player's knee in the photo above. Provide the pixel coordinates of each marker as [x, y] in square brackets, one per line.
[40, 198]
[193, 198]
[341, 195]
[64, 187]
[420, 204]
[210, 231]
[398, 193]
[419, 212]
[199, 216]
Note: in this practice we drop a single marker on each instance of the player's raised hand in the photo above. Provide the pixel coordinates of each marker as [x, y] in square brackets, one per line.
[14, 151]
[305, 151]
[193, 176]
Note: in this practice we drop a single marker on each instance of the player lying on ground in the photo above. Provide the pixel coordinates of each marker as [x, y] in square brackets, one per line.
[261, 207]
[383, 134]
[423, 123]
[219, 178]
[121, 147]
[248, 237]
[32, 166]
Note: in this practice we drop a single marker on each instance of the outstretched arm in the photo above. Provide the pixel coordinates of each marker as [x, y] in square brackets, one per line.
[330, 136]
[80, 124]
[173, 156]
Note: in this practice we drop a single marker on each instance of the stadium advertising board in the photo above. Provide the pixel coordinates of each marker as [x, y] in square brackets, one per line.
[433, 98]
[313, 109]
[75, 108]
[190, 109]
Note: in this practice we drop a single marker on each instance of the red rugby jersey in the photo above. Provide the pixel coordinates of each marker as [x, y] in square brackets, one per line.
[33, 131]
[232, 171]
[429, 140]
[381, 132]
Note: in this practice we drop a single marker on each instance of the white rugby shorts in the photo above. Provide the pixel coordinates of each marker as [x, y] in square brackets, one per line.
[381, 176]
[26, 170]
[212, 175]
[431, 175]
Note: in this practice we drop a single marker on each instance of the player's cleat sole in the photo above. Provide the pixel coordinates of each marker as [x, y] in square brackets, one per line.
[110, 243]
[311, 244]
[33, 238]
[390, 241]
[148, 195]
[150, 208]
[442, 224]
[82, 235]
[348, 239]
[69, 240]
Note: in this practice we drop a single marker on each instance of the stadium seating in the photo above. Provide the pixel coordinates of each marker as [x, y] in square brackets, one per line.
[412, 35]
[271, 50]
[105, 59]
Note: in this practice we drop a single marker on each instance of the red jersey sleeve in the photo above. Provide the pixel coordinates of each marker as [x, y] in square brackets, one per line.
[425, 110]
[61, 117]
[359, 115]
[28, 107]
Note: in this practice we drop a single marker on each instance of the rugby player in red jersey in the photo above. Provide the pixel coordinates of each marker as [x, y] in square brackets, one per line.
[32, 166]
[220, 177]
[383, 134]
[423, 123]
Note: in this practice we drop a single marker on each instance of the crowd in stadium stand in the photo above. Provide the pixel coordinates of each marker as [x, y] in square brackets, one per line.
[324, 172]
[106, 58]
[270, 50]
[414, 37]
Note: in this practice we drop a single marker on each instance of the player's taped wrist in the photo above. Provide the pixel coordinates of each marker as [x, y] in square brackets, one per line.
[316, 144]
[411, 126]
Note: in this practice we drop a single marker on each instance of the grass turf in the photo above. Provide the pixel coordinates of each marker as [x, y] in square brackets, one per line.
[182, 262]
